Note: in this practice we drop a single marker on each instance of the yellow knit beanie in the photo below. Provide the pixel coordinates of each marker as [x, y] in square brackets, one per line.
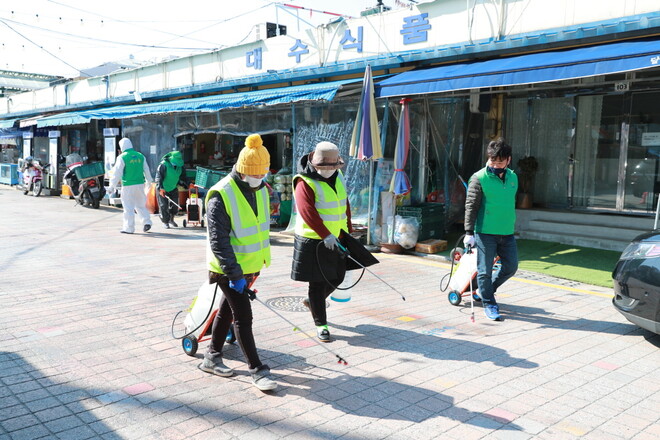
[254, 158]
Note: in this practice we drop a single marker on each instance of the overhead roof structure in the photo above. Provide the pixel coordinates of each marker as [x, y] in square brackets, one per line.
[307, 92]
[17, 82]
[526, 69]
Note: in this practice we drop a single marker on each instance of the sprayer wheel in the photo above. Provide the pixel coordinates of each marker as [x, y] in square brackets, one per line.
[190, 345]
[454, 298]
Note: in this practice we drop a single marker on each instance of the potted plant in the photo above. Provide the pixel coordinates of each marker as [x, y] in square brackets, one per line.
[528, 167]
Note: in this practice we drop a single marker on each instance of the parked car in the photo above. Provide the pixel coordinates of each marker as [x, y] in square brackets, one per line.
[637, 282]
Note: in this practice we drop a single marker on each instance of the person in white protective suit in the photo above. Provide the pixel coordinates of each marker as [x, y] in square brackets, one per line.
[132, 169]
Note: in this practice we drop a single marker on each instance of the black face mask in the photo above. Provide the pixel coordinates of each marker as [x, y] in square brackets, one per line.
[497, 171]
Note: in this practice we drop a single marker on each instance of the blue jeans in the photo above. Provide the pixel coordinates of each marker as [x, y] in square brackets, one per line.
[488, 247]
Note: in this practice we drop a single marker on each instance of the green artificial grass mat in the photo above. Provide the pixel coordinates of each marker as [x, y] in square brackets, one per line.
[575, 263]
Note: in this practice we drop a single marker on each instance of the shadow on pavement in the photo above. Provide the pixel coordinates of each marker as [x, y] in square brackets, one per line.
[382, 399]
[35, 406]
[430, 345]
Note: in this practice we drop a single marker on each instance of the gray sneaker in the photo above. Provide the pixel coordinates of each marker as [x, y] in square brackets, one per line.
[262, 380]
[214, 365]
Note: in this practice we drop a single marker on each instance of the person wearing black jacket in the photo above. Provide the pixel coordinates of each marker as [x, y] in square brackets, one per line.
[169, 174]
[323, 214]
[238, 217]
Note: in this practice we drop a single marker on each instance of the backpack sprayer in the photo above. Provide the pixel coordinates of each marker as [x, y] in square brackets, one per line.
[202, 311]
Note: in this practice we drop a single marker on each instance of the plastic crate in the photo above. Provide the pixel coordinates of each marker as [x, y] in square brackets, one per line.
[89, 170]
[431, 218]
[191, 174]
[206, 177]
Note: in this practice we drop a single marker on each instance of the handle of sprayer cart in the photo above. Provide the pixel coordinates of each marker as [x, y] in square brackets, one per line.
[252, 294]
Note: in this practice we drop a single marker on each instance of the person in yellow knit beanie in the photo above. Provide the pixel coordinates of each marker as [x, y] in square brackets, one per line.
[238, 216]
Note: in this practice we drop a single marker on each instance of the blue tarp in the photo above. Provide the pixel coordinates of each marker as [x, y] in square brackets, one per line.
[320, 91]
[526, 69]
[7, 123]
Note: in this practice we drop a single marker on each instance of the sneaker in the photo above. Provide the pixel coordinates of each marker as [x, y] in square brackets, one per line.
[492, 312]
[146, 228]
[323, 333]
[231, 337]
[475, 296]
[125, 232]
[262, 380]
[173, 224]
[214, 365]
[166, 225]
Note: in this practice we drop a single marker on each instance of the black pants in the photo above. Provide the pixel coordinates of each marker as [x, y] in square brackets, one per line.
[234, 307]
[168, 209]
[317, 293]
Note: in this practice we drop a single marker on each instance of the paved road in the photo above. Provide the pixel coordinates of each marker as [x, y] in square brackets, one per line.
[86, 352]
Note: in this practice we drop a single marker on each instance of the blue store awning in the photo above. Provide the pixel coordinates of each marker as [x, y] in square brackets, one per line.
[307, 92]
[526, 69]
[7, 123]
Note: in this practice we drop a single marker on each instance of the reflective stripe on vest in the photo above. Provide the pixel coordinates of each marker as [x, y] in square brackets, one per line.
[133, 168]
[329, 203]
[249, 235]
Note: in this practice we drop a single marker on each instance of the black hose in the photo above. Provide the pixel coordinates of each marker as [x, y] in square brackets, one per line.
[203, 321]
[451, 269]
[318, 262]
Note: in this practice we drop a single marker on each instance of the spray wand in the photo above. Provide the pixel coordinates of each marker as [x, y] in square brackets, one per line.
[252, 294]
[345, 251]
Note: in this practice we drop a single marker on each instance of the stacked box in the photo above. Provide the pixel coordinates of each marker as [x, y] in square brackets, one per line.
[206, 177]
[89, 170]
[431, 218]
[431, 246]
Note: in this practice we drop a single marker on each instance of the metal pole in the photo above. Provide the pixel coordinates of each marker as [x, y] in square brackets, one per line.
[371, 169]
[657, 215]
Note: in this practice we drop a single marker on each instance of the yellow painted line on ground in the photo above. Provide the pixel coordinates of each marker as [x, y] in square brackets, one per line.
[423, 262]
[406, 318]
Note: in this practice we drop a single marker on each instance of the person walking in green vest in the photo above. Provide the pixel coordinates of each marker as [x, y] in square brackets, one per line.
[323, 212]
[169, 174]
[238, 247]
[132, 169]
[490, 218]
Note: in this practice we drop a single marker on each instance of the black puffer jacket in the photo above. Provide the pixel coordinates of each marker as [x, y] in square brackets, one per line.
[219, 227]
[310, 256]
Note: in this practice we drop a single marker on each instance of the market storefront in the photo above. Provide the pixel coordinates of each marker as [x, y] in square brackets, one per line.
[596, 138]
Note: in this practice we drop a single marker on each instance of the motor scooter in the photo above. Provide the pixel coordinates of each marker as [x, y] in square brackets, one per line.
[88, 191]
[33, 173]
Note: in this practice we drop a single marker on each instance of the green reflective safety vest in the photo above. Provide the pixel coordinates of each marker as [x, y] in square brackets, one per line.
[497, 213]
[133, 168]
[330, 204]
[249, 236]
[172, 176]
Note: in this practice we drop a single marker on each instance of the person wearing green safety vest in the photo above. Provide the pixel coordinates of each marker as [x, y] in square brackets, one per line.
[132, 170]
[323, 213]
[169, 174]
[490, 218]
[238, 247]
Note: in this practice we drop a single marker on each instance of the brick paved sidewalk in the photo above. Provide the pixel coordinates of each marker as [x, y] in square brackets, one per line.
[86, 351]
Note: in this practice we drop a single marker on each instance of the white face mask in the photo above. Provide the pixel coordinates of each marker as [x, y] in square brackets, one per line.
[254, 182]
[325, 173]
